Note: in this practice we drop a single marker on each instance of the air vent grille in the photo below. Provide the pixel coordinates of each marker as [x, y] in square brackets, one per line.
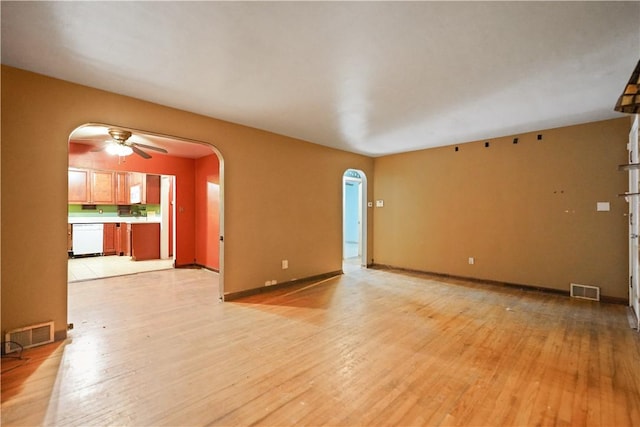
[585, 292]
[29, 336]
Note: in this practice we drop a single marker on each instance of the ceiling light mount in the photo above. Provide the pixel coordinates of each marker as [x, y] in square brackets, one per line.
[119, 135]
[119, 146]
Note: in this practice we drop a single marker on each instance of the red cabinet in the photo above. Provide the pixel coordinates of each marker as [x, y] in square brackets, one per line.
[145, 241]
[79, 186]
[103, 191]
[91, 187]
[123, 239]
[137, 188]
[153, 189]
[122, 188]
[109, 239]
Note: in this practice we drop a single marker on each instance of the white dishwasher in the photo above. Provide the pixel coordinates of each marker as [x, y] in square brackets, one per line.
[87, 239]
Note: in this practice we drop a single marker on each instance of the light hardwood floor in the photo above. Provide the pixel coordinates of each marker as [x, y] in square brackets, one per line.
[368, 348]
[98, 267]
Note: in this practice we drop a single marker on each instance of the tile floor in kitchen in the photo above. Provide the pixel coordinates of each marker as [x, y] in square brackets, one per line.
[96, 267]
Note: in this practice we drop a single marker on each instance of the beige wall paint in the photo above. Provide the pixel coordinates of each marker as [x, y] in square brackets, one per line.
[526, 212]
[283, 197]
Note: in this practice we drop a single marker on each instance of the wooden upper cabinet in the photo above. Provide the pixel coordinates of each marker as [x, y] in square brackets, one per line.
[79, 186]
[91, 187]
[122, 188]
[153, 189]
[103, 186]
[112, 188]
[137, 188]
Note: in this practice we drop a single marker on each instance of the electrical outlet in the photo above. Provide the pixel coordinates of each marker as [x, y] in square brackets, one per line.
[471, 260]
[285, 264]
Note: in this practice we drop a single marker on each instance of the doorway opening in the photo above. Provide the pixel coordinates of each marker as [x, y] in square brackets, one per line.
[354, 219]
[155, 208]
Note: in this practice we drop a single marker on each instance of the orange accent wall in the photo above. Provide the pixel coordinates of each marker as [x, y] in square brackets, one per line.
[207, 211]
[81, 156]
[262, 223]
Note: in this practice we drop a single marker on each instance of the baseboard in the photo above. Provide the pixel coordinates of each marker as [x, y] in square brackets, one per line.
[60, 335]
[265, 289]
[605, 299]
[613, 300]
[196, 265]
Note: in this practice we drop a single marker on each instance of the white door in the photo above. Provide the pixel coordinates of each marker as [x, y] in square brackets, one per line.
[634, 223]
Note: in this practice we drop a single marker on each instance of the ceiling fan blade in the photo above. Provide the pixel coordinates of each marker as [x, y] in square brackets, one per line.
[96, 149]
[150, 147]
[140, 153]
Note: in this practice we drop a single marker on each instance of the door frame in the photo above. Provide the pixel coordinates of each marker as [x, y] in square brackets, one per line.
[214, 150]
[362, 210]
[634, 223]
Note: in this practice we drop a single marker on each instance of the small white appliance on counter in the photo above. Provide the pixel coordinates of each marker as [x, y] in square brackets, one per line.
[87, 239]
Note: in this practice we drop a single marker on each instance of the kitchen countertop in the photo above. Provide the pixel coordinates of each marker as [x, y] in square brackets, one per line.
[113, 219]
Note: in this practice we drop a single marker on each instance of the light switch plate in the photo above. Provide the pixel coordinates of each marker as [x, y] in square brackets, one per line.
[379, 203]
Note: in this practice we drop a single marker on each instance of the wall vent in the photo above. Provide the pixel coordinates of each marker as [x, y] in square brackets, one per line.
[29, 336]
[585, 292]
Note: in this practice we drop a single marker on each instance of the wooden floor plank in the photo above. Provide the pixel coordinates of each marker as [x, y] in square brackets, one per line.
[368, 348]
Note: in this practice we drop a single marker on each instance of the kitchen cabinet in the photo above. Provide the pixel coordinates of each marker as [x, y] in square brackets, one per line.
[144, 188]
[79, 186]
[122, 188]
[91, 187]
[109, 239]
[69, 239]
[137, 188]
[145, 241]
[123, 239]
[99, 187]
[103, 188]
[153, 189]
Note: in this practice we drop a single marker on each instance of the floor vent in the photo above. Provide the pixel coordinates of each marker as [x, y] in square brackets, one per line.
[585, 292]
[29, 336]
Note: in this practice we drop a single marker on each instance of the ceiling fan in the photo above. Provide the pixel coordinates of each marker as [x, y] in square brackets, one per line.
[119, 146]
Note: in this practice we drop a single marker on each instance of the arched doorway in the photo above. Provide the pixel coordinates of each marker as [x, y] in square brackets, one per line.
[183, 209]
[354, 219]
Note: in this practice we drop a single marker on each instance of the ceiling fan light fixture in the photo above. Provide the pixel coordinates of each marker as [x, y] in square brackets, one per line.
[629, 101]
[116, 149]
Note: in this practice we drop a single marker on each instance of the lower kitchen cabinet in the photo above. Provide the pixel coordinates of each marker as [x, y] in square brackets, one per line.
[145, 241]
[109, 239]
[123, 239]
[69, 239]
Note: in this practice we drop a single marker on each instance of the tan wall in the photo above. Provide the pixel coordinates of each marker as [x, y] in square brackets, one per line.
[283, 197]
[525, 212]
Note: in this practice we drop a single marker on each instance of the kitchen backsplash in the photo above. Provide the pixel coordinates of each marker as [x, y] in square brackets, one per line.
[113, 210]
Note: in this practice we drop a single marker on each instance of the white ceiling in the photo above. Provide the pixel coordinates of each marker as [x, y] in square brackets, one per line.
[368, 77]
